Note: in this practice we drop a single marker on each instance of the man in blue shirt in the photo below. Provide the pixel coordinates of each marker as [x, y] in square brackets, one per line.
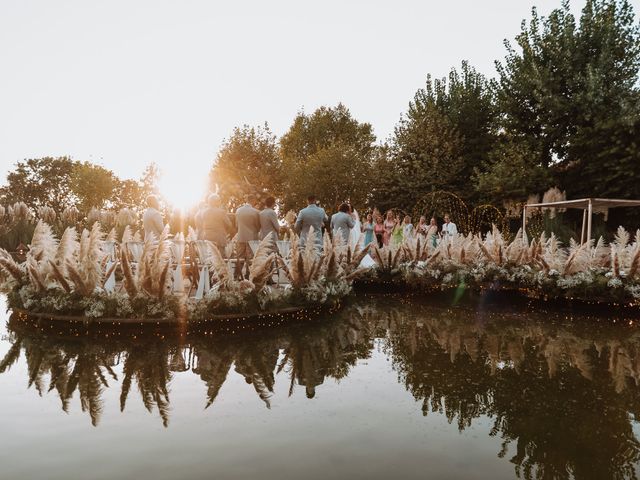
[311, 216]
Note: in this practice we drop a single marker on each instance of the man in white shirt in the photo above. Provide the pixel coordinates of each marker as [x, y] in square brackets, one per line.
[449, 228]
[152, 218]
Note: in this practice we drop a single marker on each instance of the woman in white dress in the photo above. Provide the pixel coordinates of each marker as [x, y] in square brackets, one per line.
[356, 231]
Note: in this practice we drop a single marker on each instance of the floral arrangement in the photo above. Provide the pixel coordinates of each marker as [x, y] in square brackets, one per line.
[542, 268]
[85, 276]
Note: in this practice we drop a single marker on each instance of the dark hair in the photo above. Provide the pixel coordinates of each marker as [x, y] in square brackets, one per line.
[311, 199]
[344, 207]
[270, 202]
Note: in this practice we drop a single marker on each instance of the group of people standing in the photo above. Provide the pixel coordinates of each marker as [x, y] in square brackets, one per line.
[387, 230]
[392, 230]
[213, 223]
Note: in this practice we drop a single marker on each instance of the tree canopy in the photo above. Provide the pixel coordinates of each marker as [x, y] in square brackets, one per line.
[329, 154]
[62, 182]
[570, 91]
[248, 163]
[564, 110]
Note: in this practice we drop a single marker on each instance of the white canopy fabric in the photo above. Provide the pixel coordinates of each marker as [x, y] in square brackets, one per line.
[584, 203]
[587, 205]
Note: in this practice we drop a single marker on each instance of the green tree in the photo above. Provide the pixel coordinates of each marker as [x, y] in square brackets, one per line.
[248, 162]
[446, 134]
[510, 173]
[467, 100]
[425, 155]
[571, 92]
[39, 182]
[93, 185]
[329, 154]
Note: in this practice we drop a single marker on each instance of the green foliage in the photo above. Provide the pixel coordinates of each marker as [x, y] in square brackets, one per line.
[62, 182]
[510, 173]
[425, 156]
[248, 163]
[467, 100]
[93, 185]
[329, 154]
[40, 182]
[448, 131]
[570, 90]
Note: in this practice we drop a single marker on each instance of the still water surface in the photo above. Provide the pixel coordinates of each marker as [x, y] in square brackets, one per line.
[384, 389]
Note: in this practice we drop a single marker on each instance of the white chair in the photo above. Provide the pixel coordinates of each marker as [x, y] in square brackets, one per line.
[253, 244]
[284, 247]
[204, 283]
[177, 251]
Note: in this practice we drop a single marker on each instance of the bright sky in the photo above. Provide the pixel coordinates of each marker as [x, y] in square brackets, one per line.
[126, 83]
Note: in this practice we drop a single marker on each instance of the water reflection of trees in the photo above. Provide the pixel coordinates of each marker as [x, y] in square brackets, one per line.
[562, 395]
[88, 364]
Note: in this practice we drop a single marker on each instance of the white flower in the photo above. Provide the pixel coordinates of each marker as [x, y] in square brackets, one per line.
[615, 282]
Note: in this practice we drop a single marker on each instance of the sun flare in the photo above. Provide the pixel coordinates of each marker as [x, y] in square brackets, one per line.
[181, 190]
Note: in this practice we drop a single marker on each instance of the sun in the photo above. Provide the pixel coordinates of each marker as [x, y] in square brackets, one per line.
[182, 189]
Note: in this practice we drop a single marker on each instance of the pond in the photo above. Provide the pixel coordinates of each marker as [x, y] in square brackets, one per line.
[390, 387]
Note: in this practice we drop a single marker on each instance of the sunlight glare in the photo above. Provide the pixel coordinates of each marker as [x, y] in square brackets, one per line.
[181, 189]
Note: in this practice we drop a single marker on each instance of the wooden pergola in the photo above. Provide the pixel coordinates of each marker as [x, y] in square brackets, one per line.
[587, 206]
